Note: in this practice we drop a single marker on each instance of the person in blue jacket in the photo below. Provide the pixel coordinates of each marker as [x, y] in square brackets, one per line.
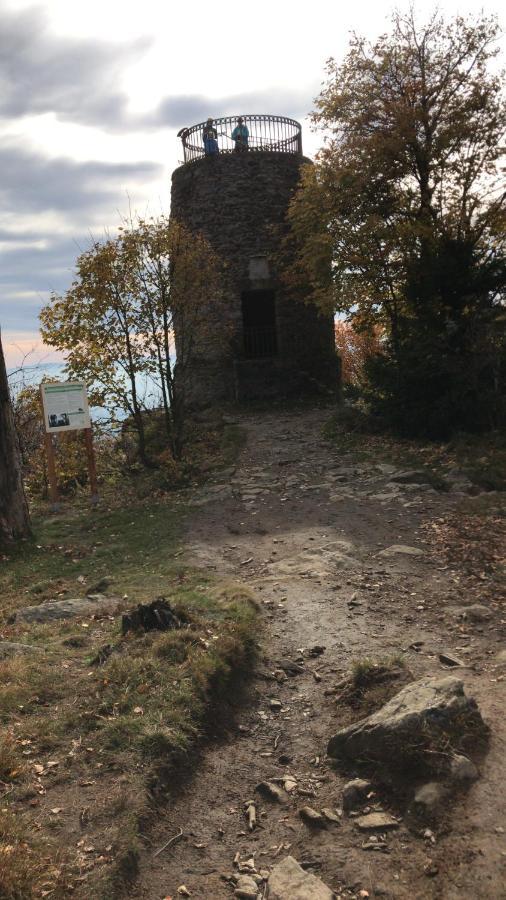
[209, 137]
[240, 135]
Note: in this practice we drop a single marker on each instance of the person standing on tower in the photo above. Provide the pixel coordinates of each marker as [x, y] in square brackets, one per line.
[209, 137]
[240, 135]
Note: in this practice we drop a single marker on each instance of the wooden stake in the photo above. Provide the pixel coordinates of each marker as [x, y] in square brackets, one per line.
[51, 472]
[92, 466]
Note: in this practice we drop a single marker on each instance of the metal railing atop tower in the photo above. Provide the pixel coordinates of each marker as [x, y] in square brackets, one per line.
[266, 134]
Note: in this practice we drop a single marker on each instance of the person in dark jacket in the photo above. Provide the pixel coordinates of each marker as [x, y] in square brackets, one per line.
[210, 138]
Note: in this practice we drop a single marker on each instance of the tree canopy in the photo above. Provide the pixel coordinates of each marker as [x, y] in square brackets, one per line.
[401, 221]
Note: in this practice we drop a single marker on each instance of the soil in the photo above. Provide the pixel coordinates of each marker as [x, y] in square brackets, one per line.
[304, 527]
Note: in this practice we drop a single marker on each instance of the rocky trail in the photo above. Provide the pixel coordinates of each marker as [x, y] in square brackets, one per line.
[335, 552]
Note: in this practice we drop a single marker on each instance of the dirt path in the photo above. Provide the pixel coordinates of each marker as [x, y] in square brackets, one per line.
[304, 529]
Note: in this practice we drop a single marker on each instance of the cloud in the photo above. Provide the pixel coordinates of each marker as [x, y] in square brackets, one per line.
[175, 112]
[74, 78]
[78, 195]
[33, 183]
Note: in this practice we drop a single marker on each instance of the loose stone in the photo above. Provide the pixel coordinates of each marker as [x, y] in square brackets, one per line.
[271, 791]
[377, 821]
[312, 818]
[355, 792]
[289, 881]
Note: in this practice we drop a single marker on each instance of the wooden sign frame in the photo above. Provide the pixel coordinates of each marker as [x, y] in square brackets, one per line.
[51, 459]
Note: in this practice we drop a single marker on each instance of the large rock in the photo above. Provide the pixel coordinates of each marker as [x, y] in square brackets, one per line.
[10, 648]
[288, 881]
[52, 610]
[410, 722]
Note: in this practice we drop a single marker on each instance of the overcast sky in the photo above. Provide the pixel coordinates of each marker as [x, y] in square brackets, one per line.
[92, 95]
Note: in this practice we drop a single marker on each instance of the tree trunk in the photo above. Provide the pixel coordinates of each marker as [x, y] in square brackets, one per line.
[14, 520]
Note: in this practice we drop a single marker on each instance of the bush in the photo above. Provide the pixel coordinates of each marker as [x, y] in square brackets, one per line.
[443, 370]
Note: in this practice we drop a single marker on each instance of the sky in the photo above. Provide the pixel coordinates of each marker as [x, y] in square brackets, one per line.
[92, 95]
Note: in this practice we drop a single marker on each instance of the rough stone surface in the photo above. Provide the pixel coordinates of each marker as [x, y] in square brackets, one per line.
[476, 612]
[288, 881]
[463, 769]
[271, 791]
[247, 888]
[211, 196]
[400, 550]
[427, 800]
[427, 708]
[412, 476]
[376, 821]
[10, 648]
[312, 817]
[52, 610]
[355, 792]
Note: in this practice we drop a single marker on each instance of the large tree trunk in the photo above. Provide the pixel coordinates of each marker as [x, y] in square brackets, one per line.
[14, 520]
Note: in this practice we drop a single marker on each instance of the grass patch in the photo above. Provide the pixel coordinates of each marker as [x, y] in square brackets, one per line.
[84, 725]
[371, 683]
[366, 672]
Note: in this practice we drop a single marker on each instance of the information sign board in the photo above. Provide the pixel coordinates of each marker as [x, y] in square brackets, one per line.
[65, 406]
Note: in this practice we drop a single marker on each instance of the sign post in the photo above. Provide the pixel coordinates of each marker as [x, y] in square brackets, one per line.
[51, 472]
[65, 408]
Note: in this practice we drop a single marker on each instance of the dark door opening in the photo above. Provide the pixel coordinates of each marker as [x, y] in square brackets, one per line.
[259, 324]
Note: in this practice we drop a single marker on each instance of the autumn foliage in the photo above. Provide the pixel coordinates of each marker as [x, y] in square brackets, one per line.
[400, 224]
[355, 349]
[131, 314]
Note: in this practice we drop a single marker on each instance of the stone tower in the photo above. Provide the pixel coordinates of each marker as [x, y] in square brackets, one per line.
[266, 343]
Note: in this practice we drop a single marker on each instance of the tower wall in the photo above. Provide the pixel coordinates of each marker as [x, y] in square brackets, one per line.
[239, 203]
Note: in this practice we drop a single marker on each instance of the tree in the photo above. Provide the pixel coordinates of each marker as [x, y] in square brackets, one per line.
[14, 519]
[116, 324]
[406, 189]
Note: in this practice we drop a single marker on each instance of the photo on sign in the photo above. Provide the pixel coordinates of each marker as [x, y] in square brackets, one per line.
[58, 421]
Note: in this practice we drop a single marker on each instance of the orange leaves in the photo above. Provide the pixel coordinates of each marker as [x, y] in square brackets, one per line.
[355, 348]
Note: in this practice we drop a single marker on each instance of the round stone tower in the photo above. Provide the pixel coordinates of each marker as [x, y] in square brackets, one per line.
[264, 342]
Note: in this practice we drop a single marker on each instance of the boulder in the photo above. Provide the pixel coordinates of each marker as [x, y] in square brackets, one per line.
[288, 881]
[10, 648]
[52, 610]
[420, 714]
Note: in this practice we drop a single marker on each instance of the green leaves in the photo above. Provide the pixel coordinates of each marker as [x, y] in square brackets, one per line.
[136, 297]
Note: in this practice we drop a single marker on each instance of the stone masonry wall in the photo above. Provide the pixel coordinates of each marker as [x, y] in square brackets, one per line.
[239, 203]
